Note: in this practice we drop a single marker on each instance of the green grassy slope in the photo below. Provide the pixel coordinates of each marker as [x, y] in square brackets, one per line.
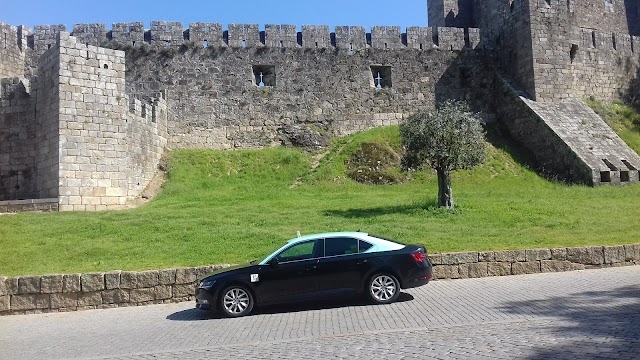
[228, 207]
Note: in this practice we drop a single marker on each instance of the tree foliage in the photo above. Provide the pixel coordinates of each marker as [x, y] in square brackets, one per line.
[446, 139]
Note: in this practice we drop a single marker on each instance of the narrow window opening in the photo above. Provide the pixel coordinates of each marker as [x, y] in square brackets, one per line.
[317, 45]
[281, 44]
[624, 176]
[167, 43]
[5, 40]
[153, 114]
[605, 176]
[381, 76]
[593, 39]
[420, 46]
[144, 111]
[264, 75]
[548, 2]
[350, 46]
[48, 46]
[570, 5]
[615, 43]
[385, 45]
[87, 45]
[511, 6]
[244, 44]
[573, 52]
[134, 43]
[105, 66]
[205, 43]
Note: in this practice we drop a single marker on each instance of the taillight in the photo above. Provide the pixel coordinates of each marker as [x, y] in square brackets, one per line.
[419, 256]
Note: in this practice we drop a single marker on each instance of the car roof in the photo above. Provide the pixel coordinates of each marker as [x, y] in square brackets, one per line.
[356, 234]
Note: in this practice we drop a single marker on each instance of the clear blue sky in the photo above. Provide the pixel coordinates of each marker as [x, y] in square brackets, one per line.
[300, 12]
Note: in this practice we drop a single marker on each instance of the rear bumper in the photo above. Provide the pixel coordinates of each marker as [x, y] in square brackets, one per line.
[420, 277]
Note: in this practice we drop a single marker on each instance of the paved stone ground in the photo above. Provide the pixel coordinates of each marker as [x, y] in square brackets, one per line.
[593, 314]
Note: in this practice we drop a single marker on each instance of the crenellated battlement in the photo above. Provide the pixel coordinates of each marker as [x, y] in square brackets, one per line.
[621, 43]
[173, 34]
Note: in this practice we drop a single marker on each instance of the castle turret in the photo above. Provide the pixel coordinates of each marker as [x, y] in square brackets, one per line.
[450, 13]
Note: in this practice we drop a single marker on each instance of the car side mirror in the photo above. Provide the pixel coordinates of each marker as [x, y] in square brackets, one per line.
[274, 262]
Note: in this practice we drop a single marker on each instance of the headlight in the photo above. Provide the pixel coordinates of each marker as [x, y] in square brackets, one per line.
[206, 284]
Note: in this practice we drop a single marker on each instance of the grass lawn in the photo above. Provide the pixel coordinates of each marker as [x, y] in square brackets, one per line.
[228, 207]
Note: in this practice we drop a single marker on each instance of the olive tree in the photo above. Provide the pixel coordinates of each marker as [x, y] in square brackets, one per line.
[449, 138]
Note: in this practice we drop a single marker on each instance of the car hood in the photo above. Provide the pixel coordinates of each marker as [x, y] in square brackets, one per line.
[229, 270]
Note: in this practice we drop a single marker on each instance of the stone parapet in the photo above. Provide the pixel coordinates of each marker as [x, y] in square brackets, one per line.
[102, 290]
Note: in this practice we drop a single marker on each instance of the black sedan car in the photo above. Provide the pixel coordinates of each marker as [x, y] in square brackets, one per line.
[307, 267]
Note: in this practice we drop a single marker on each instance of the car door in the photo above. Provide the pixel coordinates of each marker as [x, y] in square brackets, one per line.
[342, 268]
[292, 274]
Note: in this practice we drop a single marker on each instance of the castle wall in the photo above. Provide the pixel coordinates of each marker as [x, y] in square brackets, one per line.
[12, 51]
[614, 16]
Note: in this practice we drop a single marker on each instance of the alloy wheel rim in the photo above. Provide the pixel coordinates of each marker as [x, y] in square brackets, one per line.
[236, 301]
[383, 288]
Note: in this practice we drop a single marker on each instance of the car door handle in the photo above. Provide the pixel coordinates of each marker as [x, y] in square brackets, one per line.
[361, 262]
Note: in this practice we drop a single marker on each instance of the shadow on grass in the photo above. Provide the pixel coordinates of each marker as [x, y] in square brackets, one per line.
[324, 304]
[609, 319]
[385, 210]
[501, 140]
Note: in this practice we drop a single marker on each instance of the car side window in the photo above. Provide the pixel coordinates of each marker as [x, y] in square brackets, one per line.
[340, 246]
[364, 246]
[302, 251]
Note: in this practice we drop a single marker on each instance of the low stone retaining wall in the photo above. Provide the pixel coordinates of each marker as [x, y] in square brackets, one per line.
[518, 262]
[58, 293]
[16, 206]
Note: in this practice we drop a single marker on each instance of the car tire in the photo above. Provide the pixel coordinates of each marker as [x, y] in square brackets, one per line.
[383, 288]
[236, 301]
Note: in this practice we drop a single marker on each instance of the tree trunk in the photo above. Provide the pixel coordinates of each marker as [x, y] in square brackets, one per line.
[445, 195]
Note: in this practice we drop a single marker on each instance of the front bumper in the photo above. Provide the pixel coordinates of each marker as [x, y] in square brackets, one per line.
[205, 300]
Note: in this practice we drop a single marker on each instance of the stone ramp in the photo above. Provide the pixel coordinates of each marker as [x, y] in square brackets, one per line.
[568, 139]
[591, 139]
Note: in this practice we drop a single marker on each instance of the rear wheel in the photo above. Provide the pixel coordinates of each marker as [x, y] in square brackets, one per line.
[236, 301]
[383, 288]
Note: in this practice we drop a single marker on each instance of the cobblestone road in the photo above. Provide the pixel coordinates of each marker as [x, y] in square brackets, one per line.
[593, 314]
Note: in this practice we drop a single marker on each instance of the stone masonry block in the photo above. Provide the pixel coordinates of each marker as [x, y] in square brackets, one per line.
[112, 280]
[116, 296]
[3, 286]
[167, 277]
[559, 254]
[90, 299]
[186, 276]
[460, 258]
[29, 302]
[511, 256]
[486, 256]
[147, 279]
[29, 285]
[183, 291]
[632, 252]
[163, 292]
[474, 270]
[549, 266]
[538, 254]
[614, 254]
[64, 301]
[4, 303]
[446, 272]
[499, 269]
[586, 255]
[436, 259]
[530, 267]
[71, 283]
[11, 285]
[128, 280]
[50, 284]
[142, 295]
[92, 282]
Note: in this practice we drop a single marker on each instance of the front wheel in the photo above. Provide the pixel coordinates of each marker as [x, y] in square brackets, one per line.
[383, 288]
[236, 301]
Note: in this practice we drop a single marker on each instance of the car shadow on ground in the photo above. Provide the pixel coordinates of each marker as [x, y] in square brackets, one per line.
[324, 304]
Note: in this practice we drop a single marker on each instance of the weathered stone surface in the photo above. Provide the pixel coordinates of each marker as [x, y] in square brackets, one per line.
[163, 292]
[4, 303]
[186, 276]
[11, 285]
[29, 285]
[147, 279]
[92, 282]
[142, 295]
[112, 280]
[300, 135]
[183, 291]
[473, 270]
[29, 302]
[128, 280]
[499, 269]
[614, 254]
[436, 259]
[51, 284]
[64, 301]
[486, 256]
[632, 252]
[538, 254]
[446, 272]
[116, 296]
[586, 255]
[511, 256]
[460, 258]
[90, 299]
[559, 254]
[3, 286]
[71, 283]
[520, 268]
[556, 266]
[167, 277]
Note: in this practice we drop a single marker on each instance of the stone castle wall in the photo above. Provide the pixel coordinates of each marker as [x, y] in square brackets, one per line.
[13, 45]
